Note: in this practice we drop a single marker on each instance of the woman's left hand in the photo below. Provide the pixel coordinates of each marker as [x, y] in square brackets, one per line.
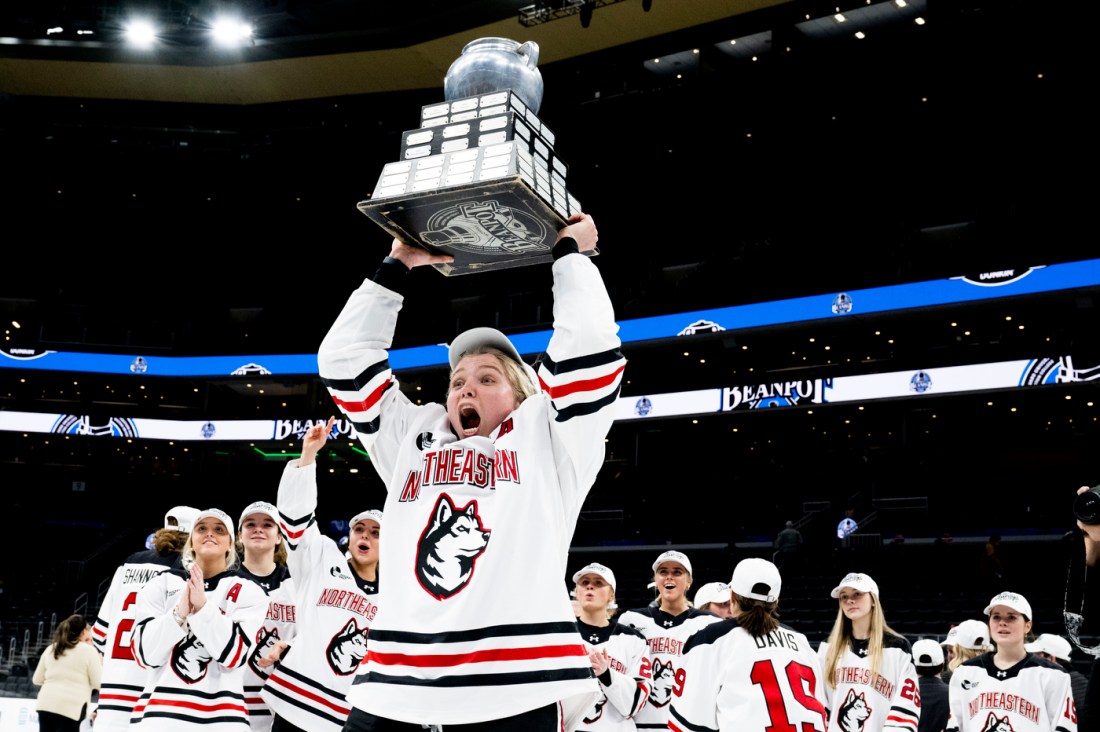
[599, 659]
[196, 589]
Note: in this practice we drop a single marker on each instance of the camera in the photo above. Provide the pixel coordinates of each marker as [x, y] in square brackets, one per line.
[1086, 506]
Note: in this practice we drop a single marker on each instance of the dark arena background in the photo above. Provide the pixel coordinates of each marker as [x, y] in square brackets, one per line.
[185, 201]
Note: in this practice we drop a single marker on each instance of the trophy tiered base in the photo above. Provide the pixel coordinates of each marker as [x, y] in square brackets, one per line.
[478, 181]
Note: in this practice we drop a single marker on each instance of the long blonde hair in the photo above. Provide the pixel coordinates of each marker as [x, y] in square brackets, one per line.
[961, 655]
[841, 637]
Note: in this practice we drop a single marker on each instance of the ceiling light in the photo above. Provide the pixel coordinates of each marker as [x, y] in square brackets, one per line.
[141, 33]
[839, 18]
[231, 32]
[919, 21]
[900, 3]
[54, 30]
[860, 35]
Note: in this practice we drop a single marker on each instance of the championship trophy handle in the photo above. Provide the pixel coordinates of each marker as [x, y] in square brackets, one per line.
[530, 51]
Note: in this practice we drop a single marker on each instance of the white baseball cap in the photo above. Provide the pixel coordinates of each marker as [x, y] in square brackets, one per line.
[597, 569]
[1014, 600]
[1055, 645]
[217, 513]
[370, 515]
[267, 509]
[712, 592]
[673, 556]
[475, 337]
[973, 635]
[927, 652]
[757, 579]
[952, 636]
[857, 581]
[180, 518]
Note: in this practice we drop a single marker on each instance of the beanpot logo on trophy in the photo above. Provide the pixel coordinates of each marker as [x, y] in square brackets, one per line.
[479, 179]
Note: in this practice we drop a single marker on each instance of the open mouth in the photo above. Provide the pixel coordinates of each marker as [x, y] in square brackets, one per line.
[469, 418]
[364, 548]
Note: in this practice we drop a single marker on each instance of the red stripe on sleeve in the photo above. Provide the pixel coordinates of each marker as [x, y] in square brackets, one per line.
[573, 387]
[363, 405]
[457, 659]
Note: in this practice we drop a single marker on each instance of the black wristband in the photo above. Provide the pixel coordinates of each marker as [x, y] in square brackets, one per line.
[392, 274]
[605, 677]
[565, 245]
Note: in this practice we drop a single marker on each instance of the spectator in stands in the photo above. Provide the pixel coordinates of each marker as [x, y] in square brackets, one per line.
[68, 672]
[261, 544]
[971, 640]
[667, 627]
[861, 641]
[991, 566]
[619, 654]
[788, 546]
[714, 597]
[123, 679]
[1057, 649]
[934, 708]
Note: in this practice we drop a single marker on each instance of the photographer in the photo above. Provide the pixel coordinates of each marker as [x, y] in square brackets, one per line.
[1083, 595]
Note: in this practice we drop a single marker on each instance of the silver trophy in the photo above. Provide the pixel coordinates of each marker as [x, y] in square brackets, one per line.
[479, 179]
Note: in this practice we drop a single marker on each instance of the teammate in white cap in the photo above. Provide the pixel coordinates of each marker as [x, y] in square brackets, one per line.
[123, 679]
[714, 597]
[867, 666]
[1011, 690]
[483, 494]
[969, 639]
[264, 560]
[1057, 649]
[750, 673]
[335, 603]
[619, 654]
[667, 626]
[934, 708]
[195, 630]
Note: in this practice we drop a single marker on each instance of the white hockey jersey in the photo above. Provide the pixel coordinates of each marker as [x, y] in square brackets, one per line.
[470, 519]
[667, 636]
[625, 687]
[734, 682]
[123, 679]
[280, 624]
[334, 608]
[1033, 696]
[196, 674]
[863, 700]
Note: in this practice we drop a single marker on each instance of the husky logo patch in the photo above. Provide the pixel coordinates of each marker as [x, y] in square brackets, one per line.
[348, 648]
[449, 547]
[992, 724]
[596, 712]
[190, 659]
[853, 713]
[265, 641]
[660, 693]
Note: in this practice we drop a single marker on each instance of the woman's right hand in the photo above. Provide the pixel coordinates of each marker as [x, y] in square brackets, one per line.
[272, 656]
[411, 256]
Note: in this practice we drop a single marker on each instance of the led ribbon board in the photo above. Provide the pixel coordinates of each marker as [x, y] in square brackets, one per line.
[956, 290]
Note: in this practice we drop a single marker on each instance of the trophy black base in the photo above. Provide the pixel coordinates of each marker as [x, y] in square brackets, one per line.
[490, 225]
